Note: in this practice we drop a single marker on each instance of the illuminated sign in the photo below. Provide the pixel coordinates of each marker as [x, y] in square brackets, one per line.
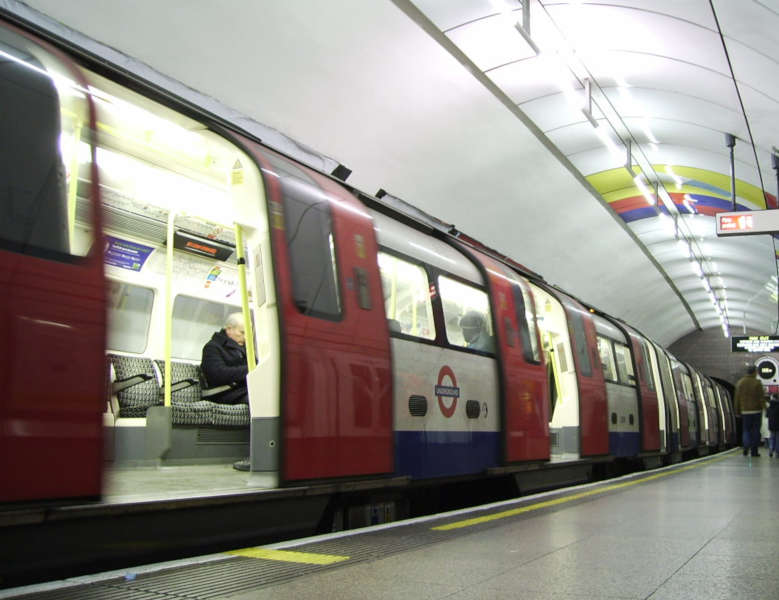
[750, 222]
[201, 246]
[755, 343]
[729, 223]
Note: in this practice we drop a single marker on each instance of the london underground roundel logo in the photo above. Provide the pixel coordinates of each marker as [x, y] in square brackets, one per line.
[447, 389]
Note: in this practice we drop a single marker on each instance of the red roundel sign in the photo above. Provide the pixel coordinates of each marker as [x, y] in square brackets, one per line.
[447, 388]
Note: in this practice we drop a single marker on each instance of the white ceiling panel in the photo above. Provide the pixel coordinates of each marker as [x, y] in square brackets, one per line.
[379, 87]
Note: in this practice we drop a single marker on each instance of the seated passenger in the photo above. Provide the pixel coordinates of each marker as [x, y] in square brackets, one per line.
[475, 331]
[224, 361]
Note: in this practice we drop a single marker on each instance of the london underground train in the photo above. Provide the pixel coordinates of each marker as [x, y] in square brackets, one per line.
[381, 342]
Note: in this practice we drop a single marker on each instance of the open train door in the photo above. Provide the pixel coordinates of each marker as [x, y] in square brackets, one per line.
[593, 405]
[336, 382]
[52, 296]
[523, 372]
[648, 405]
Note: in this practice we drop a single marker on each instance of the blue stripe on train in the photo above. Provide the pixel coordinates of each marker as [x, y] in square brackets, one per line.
[423, 454]
[624, 443]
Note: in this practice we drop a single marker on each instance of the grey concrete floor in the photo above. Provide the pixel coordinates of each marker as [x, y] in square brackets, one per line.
[708, 529]
[709, 532]
[146, 483]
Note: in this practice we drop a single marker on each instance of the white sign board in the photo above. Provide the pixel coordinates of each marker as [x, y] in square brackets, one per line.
[748, 222]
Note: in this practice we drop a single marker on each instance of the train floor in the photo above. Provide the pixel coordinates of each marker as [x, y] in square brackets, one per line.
[157, 482]
[703, 529]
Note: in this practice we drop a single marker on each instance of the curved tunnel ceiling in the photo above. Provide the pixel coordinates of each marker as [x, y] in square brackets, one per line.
[447, 105]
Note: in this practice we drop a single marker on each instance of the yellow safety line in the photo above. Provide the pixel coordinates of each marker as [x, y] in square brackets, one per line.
[563, 500]
[288, 556]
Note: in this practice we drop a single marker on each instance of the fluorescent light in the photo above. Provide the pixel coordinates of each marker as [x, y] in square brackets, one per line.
[639, 181]
[675, 177]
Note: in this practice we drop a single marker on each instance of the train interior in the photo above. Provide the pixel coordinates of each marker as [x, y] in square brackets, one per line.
[561, 375]
[177, 198]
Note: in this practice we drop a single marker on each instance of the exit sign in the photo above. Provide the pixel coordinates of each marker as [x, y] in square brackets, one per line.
[750, 222]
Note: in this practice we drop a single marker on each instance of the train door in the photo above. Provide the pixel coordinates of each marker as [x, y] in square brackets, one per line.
[593, 404]
[726, 410]
[336, 417]
[187, 244]
[621, 388]
[447, 388]
[52, 315]
[671, 399]
[712, 410]
[562, 387]
[663, 420]
[701, 409]
[526, 408]
[650, 419]
[688, 427]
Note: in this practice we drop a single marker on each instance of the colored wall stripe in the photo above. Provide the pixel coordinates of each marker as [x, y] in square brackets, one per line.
[564, 499]
[289, 556]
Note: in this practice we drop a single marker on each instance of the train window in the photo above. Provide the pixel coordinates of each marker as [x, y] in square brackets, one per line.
[466, 315]
[525, 318]
[129, 315]
[607, 359]
[194, 322]
[646, 367]
[311, 246]
[580, 345]
[406, 297]
[44, 123]
[624, 364]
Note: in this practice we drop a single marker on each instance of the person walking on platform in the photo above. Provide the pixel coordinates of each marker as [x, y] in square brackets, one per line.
[773, 425]
[750, 401]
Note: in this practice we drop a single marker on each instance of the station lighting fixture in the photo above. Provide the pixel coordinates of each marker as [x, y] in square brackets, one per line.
[647, 181]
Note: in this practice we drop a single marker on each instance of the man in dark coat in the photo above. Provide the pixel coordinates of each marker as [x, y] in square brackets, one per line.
[224, 361]
[749, 404]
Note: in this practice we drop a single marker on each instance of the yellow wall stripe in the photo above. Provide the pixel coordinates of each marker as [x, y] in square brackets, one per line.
[563, 500]
[288, 556]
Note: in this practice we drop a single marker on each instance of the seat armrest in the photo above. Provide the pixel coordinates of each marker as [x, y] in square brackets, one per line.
[123, 384]
[182, 384]
[216, 390]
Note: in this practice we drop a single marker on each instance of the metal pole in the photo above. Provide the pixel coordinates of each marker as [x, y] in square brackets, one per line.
[730, 142]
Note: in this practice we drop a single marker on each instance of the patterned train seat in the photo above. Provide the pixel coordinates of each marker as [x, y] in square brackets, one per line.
[188, 405]
[136, 384]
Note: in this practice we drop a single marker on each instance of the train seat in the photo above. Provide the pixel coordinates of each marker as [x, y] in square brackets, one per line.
[189, 402]
[231, 415]
[136, 385]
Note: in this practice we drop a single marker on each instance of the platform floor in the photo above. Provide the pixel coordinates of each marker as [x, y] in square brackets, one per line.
[703, 529]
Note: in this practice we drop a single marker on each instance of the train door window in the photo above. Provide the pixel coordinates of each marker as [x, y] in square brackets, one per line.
[311, 246]
[129, 315]
[607, 359]
[406, 297]
[45, 127]
[466, 315]
[195, 320]
[646, 367]
[624, 364]
[580, 339]
[687, 385]
[525, 318]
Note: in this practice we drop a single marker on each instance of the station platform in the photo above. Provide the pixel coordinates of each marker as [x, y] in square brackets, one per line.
[706, 528]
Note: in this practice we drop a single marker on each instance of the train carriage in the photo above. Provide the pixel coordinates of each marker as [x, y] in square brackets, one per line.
[381, 343]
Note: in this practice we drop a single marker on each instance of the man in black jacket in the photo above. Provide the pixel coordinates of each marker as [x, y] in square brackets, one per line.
[224, 361]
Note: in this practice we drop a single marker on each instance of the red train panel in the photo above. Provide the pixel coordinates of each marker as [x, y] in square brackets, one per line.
[525, 402]
[52, 305]
[650, 417]
[593, 405]
[337, 386]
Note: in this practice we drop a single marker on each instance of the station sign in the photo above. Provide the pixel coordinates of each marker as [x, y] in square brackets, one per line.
[747, 222]
[754, 343]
